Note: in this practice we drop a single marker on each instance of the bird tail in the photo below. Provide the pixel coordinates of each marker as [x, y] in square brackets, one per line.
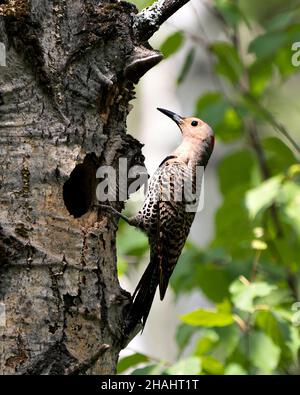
[143, 296]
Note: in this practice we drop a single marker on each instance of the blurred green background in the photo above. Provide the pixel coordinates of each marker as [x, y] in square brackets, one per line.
[248, 271]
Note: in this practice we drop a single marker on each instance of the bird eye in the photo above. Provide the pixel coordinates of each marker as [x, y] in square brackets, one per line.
[194, 123]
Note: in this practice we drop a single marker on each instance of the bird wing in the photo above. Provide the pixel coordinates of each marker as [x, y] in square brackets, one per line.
[167, 224]
[173, 221]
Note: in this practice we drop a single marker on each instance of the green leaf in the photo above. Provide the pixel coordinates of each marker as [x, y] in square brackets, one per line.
[260, 77]
[275, 47]
[186, 65]
[296, 314]
[267, 44]
[263, 196]
[240, 354]
[130, 361]
[229, 340]
[282, 333]
[250, 106]
[211, 365]
[266, 321]
[213, 108]
[277, 297]
[235, 170]
[224, 306]
[294, 170]
[289, 198]
[231, 12]
[232, 219]
[231, 127]
[187, 366]
[172, 44]
[183, 335]
[289, 247]
[234, 369]
[213, 279]
[292, 341]
[229, 63]
[181, 280]
[283, 62]
[278, 155]
[281, 20]
[243, 295]
[206, 342]
[207, 318]
[263, 353]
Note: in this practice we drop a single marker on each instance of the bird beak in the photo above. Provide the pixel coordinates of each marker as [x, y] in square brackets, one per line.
[176, 118]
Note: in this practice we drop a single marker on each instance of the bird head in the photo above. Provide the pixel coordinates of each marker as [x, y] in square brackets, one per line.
[193, 128]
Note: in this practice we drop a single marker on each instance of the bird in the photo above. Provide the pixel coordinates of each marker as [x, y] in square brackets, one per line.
[168, 211]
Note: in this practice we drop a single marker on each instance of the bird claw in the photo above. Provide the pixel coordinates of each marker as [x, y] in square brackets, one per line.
[114, 211]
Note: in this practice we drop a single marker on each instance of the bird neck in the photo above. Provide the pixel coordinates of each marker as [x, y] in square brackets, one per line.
[193, 152]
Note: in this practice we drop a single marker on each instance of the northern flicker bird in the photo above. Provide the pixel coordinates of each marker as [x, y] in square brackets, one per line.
[169, 210]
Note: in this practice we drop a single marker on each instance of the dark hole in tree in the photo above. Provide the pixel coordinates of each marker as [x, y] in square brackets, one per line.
[79, 189]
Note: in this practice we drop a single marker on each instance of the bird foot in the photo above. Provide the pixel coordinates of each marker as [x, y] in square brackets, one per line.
[130, 221]
[113, 210]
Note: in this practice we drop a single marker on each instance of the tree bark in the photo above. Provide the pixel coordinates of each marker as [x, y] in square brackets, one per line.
[70, 71]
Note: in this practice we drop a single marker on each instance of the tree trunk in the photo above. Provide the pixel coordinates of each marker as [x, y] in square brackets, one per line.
[70, 71]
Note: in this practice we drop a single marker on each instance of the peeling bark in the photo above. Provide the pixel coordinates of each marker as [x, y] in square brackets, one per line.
[64, 99]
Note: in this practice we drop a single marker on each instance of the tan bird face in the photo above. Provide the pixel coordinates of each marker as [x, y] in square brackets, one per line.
[192, 127]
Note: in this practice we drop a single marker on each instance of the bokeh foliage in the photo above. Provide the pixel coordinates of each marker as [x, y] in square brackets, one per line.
[250, 270]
